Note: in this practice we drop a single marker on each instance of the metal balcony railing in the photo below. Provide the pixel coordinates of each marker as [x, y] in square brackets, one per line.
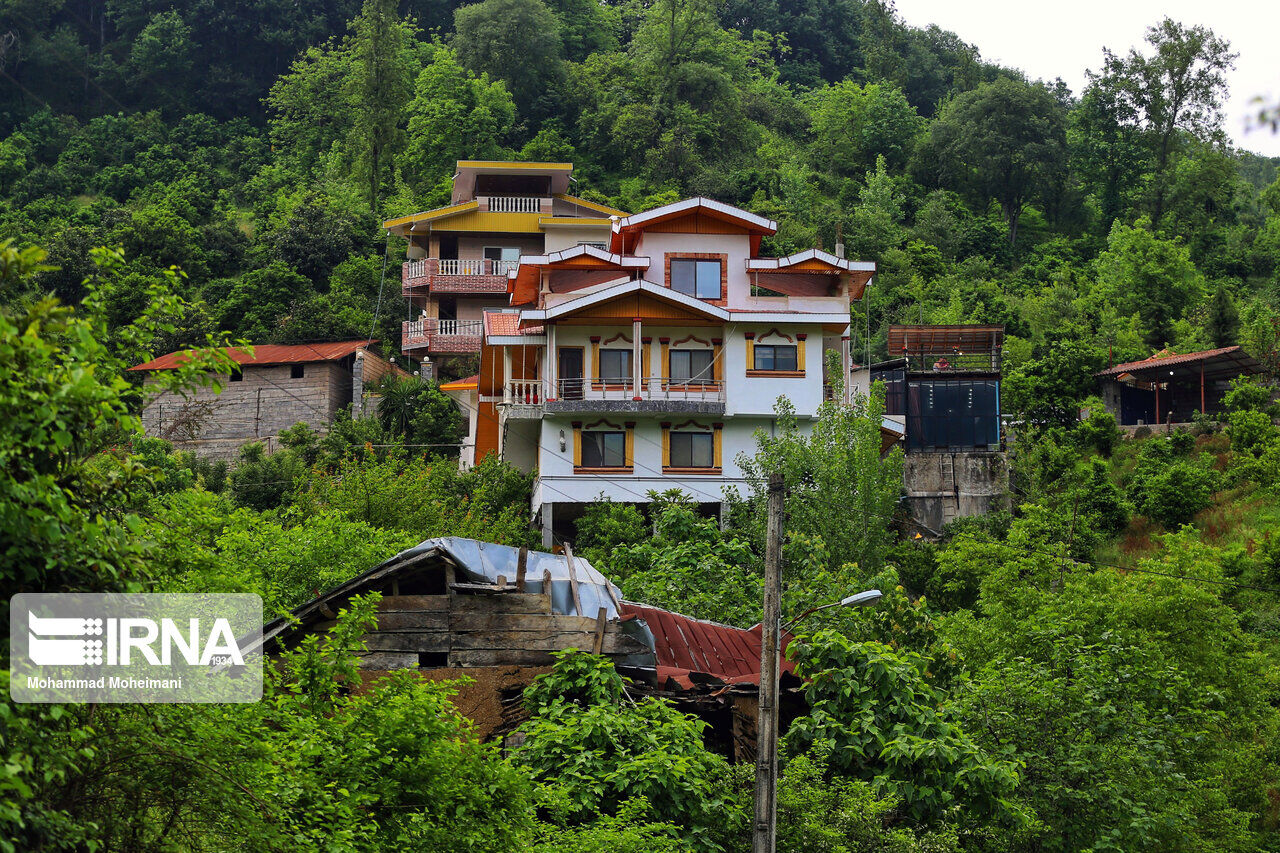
[653, 388]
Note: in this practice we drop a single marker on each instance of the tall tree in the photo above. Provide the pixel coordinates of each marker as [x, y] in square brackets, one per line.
[853, 125]
[1145, 273]
[1224, 319]
[1005, 140]
[517, 42]
[381, 88]
[1178, 89]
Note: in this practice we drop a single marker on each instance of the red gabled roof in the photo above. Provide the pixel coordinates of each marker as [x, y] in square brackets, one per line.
[688, 647]
[507, 323]
[267, 354]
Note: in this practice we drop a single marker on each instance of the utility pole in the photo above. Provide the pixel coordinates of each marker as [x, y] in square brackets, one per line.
[764, 830]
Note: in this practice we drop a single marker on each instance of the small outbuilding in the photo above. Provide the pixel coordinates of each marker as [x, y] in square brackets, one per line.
[942, 397]
[1171, 387]
[454, 607]
[272, 388]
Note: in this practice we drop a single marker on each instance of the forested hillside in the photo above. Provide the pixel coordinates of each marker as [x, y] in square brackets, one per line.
[1096, 669]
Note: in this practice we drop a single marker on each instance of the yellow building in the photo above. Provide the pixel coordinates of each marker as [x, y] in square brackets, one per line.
[460, 256]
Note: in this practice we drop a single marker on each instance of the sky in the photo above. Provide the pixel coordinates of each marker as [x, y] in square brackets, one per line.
[1048, 40]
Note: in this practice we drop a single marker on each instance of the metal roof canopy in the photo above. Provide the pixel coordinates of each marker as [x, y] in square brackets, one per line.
[1211, 364]
[945, 339]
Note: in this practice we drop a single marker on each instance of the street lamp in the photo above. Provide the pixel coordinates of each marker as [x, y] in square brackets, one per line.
[858, 599]
[764, 837]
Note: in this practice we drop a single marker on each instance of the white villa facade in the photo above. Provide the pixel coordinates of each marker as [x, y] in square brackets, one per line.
[650, 365]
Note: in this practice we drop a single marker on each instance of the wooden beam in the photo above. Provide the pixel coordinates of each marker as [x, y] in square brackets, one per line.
[597, 643]
[522, 564]
[414, 603]
[573, 580]
[494, 621]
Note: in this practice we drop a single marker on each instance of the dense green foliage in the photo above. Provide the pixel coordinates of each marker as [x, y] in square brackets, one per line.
[1013, 690]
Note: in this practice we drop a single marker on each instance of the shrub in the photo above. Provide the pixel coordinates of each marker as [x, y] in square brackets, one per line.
[604, 526]
[1247, 394]
[260, 480]
[596, 752]
[1250, 430]
[890, 727]
[1098, 430]
[1172, 495]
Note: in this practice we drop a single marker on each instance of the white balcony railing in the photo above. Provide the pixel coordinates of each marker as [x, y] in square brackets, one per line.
[443, 328]
[504, 267]
[416, 269]
[455, 266]
[514, 204]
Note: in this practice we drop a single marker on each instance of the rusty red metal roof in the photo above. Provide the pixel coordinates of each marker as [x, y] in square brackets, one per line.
[690, 649]
[1216, 363]
[267, 354]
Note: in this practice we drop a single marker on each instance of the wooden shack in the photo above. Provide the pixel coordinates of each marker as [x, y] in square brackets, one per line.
[452, 607]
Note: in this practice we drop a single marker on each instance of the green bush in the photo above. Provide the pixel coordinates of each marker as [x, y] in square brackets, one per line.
[1099, 429]
[1251, 431]
[606, 525]
[262, 480]
[598, 751]
[1172, 495]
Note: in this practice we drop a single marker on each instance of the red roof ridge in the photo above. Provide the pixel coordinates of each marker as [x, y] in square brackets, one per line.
[267, 354]
[1175, 358]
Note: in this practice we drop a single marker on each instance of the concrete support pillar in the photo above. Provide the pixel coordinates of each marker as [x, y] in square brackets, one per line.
[636, 350]
[506, 374]
[552, 369]
[548, 540]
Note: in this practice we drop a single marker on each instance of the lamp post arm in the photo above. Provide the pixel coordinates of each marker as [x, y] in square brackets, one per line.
[812, 610]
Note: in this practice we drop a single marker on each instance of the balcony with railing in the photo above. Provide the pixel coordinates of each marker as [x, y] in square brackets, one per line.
[654, 395]
[455, 275]
[515, 204]
[442, 337]
[966, 349]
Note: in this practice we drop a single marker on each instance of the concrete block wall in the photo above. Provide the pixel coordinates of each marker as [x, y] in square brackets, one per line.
[264, 402]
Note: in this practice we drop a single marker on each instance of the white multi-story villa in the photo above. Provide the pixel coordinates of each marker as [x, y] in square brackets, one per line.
[649, 365]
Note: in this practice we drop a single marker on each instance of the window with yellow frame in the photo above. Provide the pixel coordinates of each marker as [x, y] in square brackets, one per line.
[691, 448]
[775, 354]
[603, 446]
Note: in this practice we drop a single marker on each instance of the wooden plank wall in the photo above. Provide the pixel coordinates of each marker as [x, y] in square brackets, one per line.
[489, 628]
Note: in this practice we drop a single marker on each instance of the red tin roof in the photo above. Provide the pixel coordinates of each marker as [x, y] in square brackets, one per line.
[688, 648]
[267, 354]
